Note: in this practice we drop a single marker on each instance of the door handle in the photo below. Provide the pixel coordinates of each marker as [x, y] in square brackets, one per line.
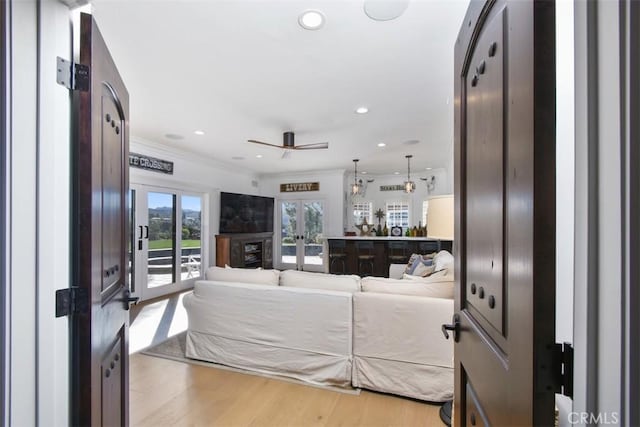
[454, 326]
[146, 234]
[128, 299]
[140, 227]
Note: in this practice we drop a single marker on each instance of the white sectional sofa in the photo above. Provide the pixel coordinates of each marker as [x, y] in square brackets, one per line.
[324, 329]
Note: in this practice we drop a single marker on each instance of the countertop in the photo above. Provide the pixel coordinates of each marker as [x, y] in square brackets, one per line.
[380, 238]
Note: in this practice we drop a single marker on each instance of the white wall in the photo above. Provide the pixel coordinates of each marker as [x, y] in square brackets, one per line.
[331, 192]
[565, 187]
[53, 217]
[22, 216]
[198, 174]
[443, 185]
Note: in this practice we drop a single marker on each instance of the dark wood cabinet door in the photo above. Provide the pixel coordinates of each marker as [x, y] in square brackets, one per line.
[237, 253]
[99, 355]
[505, 213]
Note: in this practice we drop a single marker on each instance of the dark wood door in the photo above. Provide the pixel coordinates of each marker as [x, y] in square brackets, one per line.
[101, 180]
[505, 213]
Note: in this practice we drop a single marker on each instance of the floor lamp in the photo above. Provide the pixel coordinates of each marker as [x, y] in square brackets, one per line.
[440, 227]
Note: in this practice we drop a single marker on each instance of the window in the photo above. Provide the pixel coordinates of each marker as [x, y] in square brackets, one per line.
[397, 214]
[361, 211]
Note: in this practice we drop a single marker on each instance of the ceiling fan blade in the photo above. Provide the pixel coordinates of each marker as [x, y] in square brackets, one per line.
[263, 143]
[316, 146]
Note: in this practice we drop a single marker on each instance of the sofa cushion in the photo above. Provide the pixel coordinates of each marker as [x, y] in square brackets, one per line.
[332, 282]
[445, 275]
[423, 287]
[416, 260]
[243, 275]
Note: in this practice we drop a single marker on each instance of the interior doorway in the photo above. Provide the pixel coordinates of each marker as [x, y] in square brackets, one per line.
[166, 246]
[301, 234]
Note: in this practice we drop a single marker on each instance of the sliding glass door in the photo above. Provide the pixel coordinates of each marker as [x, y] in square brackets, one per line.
[166, 240]
[301, 234]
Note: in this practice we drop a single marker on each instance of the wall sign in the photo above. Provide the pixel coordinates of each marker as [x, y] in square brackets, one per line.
[398, 187]
[300, 186]
[150, 163]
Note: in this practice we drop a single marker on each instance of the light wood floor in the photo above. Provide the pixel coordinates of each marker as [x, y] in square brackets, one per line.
[168, 393]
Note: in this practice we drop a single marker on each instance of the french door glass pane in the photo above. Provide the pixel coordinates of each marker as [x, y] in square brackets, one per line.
[191, 247]
[288, 229]
[162, 243]
[313, 213]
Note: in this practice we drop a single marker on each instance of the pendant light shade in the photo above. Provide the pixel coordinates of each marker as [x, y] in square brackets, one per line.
[356, 188]
[409, 186]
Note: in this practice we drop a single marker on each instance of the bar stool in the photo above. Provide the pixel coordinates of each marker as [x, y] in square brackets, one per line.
[429, 247]
[364, 251]
[337, 252]
[397, 252]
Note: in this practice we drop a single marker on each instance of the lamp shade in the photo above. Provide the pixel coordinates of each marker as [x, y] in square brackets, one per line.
[440, 217]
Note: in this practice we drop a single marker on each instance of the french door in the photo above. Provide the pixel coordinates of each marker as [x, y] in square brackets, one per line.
[301, 234]
[166, 247]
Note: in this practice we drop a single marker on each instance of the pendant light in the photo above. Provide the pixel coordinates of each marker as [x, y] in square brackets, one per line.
[356, 188]
[409, 186]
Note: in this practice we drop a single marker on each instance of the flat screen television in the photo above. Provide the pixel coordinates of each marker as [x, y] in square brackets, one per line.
[242, 213]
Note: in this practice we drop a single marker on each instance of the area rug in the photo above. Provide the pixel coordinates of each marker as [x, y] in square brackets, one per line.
[173, 348]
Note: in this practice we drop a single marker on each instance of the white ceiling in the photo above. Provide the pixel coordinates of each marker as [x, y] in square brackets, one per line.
[243, 69]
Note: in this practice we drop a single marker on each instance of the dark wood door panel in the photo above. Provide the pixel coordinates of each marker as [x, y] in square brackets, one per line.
[99, 391]
[505, 213]
[488, 361]
[475, 414]
[484, 165]
[111, 124]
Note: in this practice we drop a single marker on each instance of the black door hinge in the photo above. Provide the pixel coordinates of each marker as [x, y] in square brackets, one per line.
[563, 368]
[73, 300]
[73, 76]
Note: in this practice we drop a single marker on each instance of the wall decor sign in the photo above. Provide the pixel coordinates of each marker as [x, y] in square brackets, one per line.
[299, 186]
[398, 187]
[150, 163]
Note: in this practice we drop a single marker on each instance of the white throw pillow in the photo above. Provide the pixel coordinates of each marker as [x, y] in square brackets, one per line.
[243, 275]
[331, 282]
[443, 260]
[443, 289]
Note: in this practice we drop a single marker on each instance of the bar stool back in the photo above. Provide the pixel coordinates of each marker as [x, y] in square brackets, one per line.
[364, 250]
[337, 253]
[398, 252]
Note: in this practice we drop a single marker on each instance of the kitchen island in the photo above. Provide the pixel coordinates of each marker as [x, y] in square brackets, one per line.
[344, 251]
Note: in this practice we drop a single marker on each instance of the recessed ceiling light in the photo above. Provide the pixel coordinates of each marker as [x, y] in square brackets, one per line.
[258, 156]
[199, 132]
[173, 136]
[363, 172]
[311, 19]
[362, 110]
[238, 158]
[396, 173]
[412, 142]
[428, 169]
[382, 144]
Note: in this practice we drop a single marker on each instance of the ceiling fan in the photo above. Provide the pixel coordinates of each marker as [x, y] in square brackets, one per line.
[288, 144]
